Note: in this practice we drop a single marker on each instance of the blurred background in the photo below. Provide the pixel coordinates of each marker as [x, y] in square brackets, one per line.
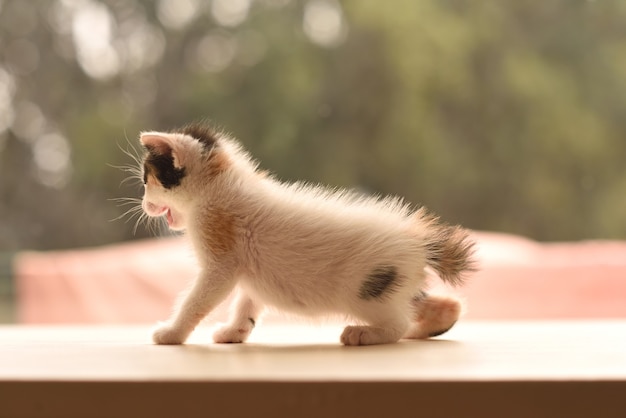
[499, 115]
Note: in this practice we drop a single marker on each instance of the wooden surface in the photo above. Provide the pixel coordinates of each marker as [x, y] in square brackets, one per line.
[477, 369]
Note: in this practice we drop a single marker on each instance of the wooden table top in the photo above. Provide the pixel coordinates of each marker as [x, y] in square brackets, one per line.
[578, 359]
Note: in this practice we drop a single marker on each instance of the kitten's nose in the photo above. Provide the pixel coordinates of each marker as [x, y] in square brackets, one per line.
[150, 208]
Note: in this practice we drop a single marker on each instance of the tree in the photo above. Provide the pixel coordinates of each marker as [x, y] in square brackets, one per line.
[499, 115]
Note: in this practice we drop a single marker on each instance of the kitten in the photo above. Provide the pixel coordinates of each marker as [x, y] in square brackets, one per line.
[301, 249]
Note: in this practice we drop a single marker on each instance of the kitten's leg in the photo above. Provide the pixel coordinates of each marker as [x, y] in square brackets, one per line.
[243, 320]
[433, 315]
[382, 303]
[209, 289]
[387, 324]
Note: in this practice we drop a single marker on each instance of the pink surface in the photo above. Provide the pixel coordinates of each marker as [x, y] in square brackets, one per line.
[523, 279]
[138, 282]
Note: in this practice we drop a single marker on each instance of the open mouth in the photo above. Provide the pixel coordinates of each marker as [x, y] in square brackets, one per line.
[170, 218]
[167, 212]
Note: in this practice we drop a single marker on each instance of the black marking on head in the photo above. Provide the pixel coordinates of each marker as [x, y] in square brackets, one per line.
[381, 280]
[439, 332]
[162, 167]
[204, 132]
[252, 321]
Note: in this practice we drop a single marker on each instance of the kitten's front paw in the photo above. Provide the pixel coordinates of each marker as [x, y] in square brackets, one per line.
[168, 334]
[229, 334]
[365, 335]
[355, 335]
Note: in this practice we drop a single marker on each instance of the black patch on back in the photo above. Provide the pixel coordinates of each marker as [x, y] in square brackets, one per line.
[162, 167]
[382, 280]
[203, 132]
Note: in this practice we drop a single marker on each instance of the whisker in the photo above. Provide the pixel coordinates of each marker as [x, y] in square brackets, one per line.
[131, 213]
[135, 172]
[143, 218]
[135, 153]
[135, 167]
[153, 226]
[122, 204]
[137, 180]
[132, 152]
[134, 212]
[136, 205]
[125, 200]
[125, 167]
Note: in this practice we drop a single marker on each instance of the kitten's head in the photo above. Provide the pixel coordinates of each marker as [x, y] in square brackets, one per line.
[175, 166]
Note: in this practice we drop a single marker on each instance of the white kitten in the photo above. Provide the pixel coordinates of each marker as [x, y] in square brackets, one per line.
[301, 249]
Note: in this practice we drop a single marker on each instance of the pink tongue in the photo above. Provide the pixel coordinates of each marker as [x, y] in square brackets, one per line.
[170, 218]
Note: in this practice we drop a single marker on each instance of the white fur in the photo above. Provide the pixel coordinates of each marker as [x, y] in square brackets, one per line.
[299, 248]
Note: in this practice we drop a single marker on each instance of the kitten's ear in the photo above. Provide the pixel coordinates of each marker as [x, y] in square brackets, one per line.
[163, 144]
[157, 143]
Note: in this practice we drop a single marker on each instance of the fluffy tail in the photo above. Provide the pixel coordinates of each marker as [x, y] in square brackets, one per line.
[449, 249]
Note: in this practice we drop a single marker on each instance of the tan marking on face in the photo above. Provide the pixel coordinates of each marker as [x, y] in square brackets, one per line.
[219, 231]
[151, 180]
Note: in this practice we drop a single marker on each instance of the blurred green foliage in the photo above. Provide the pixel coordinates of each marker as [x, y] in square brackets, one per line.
[500, 115]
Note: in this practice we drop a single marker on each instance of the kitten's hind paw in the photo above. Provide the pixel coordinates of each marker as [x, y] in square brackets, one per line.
[168, 334]
[230, 334]
[434, 315]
